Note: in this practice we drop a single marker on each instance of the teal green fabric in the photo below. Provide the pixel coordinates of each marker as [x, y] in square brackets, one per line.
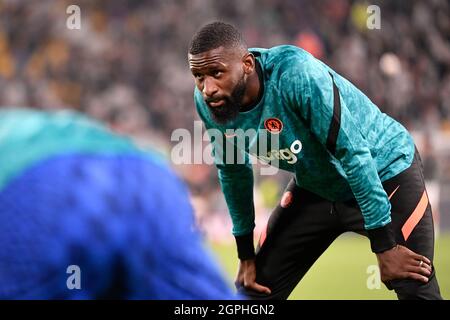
[371, 147]
[38, 137]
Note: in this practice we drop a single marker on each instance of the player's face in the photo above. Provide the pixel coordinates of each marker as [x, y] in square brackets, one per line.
[221, 78]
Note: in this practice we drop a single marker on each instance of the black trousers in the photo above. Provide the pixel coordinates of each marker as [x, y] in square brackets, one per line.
[299, 233]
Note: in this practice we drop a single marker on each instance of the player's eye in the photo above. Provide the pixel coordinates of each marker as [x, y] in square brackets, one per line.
[198, 76]
[217, 73]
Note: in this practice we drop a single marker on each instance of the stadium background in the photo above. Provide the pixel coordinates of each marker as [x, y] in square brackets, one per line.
[127, 67]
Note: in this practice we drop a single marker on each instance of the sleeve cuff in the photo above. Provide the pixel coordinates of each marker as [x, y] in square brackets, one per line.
[382, 239]
[245, 246]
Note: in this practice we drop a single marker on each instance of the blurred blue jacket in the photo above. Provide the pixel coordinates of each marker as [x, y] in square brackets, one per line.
[72, 193]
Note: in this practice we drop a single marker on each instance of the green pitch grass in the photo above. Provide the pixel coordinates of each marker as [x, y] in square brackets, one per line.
[342, 271]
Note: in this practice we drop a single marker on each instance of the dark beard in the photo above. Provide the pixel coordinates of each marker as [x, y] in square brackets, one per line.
[230, 109]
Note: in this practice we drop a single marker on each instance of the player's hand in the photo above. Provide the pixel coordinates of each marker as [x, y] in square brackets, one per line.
[247, 275]
[401, 263]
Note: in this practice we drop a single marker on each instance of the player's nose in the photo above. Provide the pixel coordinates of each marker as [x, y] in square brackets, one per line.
[209, 88]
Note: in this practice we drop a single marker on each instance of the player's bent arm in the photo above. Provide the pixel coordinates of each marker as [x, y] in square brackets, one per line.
[317, 97]
[322, 106]
[237, 186]
[236, 179]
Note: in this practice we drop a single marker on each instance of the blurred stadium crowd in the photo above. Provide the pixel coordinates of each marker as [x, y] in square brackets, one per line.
[127, 66]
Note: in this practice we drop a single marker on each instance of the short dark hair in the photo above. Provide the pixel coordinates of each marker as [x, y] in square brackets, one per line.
[214, 35]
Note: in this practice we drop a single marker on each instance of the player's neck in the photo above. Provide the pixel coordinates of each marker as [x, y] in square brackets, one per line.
[253, 92]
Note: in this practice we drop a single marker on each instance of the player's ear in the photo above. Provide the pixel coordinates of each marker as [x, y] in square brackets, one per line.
[248, 63]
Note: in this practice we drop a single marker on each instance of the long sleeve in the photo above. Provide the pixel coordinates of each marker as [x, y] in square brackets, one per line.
[313, 91]
[236, 180]
[237, 186]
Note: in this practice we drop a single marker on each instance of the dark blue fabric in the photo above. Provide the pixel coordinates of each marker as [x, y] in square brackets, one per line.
[124, 220]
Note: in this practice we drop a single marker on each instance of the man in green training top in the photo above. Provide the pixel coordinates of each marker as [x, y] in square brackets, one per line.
[355, 168]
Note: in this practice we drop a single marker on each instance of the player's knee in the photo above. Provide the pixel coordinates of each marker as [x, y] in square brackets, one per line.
[407, 289]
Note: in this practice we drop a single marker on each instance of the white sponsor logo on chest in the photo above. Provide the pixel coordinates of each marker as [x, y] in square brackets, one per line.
[287, 154]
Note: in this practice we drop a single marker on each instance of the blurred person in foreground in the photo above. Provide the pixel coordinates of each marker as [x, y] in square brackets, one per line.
[356, 169]
[72, 193]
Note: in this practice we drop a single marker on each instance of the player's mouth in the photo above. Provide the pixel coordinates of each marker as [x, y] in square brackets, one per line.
[216, 103]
